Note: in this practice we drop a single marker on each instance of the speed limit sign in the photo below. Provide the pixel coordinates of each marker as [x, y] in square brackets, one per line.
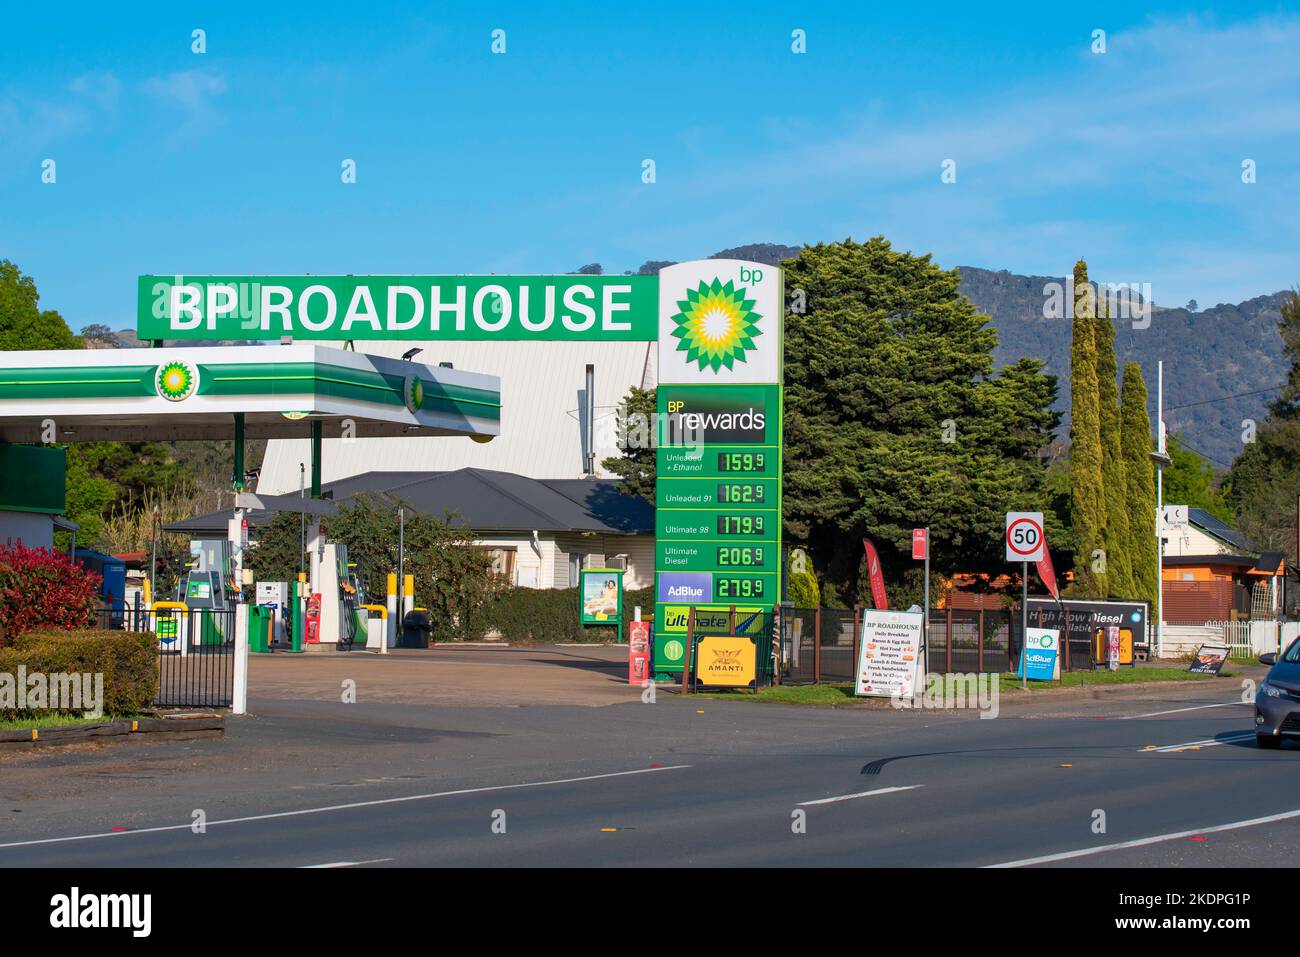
[1024, 536]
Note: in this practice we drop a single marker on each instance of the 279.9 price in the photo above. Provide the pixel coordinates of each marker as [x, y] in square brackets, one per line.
[729, 587]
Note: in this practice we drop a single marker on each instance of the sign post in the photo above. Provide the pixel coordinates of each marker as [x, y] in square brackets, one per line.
[1024, 539]
[921, 552]
[600, 597]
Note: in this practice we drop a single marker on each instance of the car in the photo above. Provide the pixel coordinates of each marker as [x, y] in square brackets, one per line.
[1277, 701]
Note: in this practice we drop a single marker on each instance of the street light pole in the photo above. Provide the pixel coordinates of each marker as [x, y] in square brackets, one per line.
[1162, 459]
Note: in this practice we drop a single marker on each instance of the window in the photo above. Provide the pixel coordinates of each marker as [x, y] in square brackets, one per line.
[575, 568]
[503, 563]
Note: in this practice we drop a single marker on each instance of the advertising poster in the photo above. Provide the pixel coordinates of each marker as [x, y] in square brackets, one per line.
[726, 661]
[601, 594]
[888, 658]
[638, 652]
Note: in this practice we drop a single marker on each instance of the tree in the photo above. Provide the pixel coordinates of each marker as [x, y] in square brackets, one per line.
[1087, 498]
[1190, 480]
[98, 332]
[23, 324]
[895, 419]
[636, 437]
[1262, 486]
[1139, 478]
[451, 572]
[1115, 534]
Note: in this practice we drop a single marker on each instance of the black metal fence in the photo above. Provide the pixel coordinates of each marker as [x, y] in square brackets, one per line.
[821, 644]
[196, 652]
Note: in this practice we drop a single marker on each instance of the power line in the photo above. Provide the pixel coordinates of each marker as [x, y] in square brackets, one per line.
[1239, 395]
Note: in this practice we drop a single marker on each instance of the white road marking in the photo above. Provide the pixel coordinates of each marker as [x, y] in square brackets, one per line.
[313, 867]
[1144, 841]
[346, 807]
[1207, 743]
[860, 794]
[1199, 707]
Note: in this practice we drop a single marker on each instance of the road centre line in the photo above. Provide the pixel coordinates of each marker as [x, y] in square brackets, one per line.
[1146, 841]
[346, 807]
[860, 794]
[1199, 707]
[315, 867]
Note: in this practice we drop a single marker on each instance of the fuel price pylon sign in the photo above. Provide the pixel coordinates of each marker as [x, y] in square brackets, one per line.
[718, 485]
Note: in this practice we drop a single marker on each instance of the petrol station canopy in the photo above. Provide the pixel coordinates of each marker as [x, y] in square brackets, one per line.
[184, 393]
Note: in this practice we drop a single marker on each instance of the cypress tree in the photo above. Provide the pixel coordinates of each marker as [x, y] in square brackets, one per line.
[1139, 473]
[1087, 498]
[1115, 534]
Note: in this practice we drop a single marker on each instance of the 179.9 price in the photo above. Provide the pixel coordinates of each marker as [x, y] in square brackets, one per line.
[729, 587]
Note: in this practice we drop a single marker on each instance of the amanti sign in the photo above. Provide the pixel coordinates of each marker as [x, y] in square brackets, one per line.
[609, 308]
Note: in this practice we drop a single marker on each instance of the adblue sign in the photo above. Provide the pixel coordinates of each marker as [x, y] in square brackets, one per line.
[609, 308]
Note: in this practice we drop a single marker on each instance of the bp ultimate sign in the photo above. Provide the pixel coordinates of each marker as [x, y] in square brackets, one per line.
[718, 486]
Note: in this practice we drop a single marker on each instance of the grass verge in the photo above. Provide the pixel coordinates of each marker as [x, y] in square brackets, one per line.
[833, 694]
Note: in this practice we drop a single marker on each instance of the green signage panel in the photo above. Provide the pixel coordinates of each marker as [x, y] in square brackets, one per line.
[600, 596]
[606, 308]
[718, 463]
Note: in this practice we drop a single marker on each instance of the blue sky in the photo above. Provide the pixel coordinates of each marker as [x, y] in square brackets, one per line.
[530, 162]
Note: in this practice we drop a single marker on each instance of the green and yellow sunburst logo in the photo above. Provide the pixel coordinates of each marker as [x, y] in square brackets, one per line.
[716, 325]
[176, 380]
[413, 392]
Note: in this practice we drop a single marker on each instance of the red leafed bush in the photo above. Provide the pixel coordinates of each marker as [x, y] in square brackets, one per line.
[43, 589]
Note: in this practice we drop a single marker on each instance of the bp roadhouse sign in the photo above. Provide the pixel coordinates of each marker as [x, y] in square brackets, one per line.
[1024, 536]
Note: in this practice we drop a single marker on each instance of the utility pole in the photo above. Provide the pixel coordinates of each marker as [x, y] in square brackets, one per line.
[1162, 459]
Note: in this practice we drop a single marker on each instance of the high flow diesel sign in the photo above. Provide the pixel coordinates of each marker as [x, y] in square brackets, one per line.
[718, 486]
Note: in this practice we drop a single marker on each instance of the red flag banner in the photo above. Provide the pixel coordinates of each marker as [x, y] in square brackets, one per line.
[878, 596]
[1047, 573]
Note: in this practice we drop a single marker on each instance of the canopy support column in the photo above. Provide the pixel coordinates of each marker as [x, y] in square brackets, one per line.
[237, 476]
[315, 457]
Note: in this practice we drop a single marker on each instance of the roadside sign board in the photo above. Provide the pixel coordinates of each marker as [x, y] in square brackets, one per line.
[1040, 661]
[726, 661]
[920, 544]
[1209, 660]
[889, 655]
[718, 434]
[1175, 516]
[1024, 536]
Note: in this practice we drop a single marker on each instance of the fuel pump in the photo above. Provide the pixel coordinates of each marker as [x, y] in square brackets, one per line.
[208, 587]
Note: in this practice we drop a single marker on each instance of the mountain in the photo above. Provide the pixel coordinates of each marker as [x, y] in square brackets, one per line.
[1211, 357]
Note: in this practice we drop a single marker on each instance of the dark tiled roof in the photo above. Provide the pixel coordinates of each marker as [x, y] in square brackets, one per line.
[483, 500]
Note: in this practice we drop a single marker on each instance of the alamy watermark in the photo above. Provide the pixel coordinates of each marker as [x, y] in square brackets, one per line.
[943, 692]
[1129, 301]
[57, 691]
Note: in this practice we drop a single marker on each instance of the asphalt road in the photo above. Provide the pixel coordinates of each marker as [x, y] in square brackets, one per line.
[315, 783]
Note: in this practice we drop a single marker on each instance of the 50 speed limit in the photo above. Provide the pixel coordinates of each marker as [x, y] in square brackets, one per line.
[1024, 536]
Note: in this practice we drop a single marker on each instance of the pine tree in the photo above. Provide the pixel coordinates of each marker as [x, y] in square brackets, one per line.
[1115, 534]
[1139, 474]
[1087, 497]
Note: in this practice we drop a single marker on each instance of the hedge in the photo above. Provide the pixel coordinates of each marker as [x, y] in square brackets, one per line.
[541, 615]
[127, 660]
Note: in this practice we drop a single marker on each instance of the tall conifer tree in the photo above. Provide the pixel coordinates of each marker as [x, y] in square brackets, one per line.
[1139, 475]
[1087, 497]
[1115, 533]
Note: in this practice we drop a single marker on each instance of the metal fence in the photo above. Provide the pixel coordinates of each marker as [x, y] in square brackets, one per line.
[821, 644]
[195, 652]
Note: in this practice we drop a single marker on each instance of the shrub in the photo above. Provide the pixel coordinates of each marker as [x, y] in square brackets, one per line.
[538, 615]
[127, 660]
[803, 591]
[43, 589]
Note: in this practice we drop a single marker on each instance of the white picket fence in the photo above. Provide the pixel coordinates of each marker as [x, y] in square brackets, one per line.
[1248, 639]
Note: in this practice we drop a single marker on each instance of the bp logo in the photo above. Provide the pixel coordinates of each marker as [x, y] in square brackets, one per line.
[413, 393]
[1044, 641]
[176, 380]
[716, 325]
[674, 650]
